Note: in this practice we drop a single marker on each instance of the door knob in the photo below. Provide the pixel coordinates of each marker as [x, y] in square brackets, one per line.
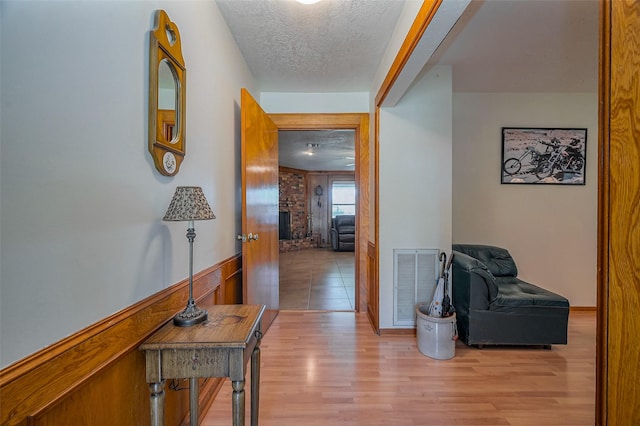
[253, 237]
[242, 237]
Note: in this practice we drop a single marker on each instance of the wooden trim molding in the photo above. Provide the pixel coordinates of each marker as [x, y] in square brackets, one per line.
[423, 19]
[604, 95]
[583, 309]
[617, 365]
[292, 170]
[397, 332]
[98, 372]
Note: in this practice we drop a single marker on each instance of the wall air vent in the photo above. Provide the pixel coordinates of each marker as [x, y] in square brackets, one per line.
[415, 275]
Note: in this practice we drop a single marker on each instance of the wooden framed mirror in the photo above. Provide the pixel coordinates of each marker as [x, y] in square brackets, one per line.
[167, 96]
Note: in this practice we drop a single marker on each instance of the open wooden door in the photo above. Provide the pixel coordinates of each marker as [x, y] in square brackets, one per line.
[260, 197]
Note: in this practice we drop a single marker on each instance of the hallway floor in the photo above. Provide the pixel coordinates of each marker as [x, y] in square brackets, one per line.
[317, 279]
[330, 369]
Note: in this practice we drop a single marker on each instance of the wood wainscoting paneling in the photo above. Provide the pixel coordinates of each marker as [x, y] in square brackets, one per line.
[97, 375]
[231, 290]
[372, 284]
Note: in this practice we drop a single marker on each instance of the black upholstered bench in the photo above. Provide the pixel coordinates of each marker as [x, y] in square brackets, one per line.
[494, 307]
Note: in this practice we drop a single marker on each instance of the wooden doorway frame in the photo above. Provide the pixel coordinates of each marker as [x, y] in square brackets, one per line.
[359, 122]
[618, 303]
[423, 19]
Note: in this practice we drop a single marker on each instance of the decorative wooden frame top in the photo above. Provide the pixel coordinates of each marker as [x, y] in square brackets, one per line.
[167, 141]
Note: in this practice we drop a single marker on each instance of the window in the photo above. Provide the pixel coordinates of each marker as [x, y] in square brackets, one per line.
[343, 198]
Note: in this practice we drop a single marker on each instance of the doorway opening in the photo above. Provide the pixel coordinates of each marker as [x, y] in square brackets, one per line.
[317, 205]
[359, 123]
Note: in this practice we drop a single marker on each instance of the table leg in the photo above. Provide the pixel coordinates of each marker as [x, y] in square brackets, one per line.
[157, 403]
[255, 385]
[194, 395]
[237, 402]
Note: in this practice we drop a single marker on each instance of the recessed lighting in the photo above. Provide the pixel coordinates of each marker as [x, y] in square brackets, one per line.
[307, 1]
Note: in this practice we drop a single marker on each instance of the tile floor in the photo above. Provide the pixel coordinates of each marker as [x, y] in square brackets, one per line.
[317, 279]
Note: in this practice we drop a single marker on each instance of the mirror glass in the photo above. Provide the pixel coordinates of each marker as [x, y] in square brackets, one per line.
[168, 101]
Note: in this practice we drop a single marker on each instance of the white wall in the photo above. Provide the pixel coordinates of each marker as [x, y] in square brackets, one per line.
[82, 204]
[415, 176]
[549, 229]
[405, 20]
[311, 103]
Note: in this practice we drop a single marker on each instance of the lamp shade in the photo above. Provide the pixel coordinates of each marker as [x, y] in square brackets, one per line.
[188, 203]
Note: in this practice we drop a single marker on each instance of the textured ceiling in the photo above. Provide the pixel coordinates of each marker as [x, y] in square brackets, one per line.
[524, 46]
[337, 45]
[330, 150]
[330, 46]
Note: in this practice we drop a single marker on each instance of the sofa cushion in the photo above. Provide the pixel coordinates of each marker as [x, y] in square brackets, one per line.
[515, 294]
[346, 238]
[497, 260]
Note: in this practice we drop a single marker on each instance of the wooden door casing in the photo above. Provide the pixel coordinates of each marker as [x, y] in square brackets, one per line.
[359, 122]
[618, 360]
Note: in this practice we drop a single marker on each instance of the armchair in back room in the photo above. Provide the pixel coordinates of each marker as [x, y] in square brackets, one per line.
[343, 233]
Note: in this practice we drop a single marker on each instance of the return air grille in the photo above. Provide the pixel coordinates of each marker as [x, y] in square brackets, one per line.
[414, 282]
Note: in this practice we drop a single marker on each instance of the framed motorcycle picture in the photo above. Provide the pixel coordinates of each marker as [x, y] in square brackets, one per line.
[543, 156]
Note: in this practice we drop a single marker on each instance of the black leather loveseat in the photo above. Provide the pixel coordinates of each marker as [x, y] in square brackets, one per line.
[343, 232]
[494, 307]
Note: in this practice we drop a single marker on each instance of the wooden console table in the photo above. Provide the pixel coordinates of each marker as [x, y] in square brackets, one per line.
[218, 347]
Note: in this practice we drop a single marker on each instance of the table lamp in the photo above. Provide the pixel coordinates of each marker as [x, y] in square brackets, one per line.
[189, 204]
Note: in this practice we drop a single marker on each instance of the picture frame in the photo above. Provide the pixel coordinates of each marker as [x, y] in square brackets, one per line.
[547, 156]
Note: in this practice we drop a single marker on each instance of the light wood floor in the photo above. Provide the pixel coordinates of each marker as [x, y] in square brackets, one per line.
[317, 279]
[330, 369]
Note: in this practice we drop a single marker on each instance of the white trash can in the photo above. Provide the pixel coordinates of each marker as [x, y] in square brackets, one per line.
[436, 336]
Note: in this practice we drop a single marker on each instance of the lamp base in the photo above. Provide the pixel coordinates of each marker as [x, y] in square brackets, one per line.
[192, 315]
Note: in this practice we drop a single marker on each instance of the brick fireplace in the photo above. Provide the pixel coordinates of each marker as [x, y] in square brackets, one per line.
[294, 223]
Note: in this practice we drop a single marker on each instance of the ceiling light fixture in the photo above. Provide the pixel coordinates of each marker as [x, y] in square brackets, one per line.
[311, 146]
[307, 1]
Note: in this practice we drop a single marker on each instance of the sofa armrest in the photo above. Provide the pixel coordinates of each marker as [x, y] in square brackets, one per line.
[334, 239]
[474, 286]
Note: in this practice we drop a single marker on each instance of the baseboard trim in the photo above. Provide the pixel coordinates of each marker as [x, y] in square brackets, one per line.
[412, 331]
[583, 309]
[397, 332]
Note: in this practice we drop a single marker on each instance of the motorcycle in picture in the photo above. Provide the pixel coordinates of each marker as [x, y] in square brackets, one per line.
[559, 157]
[513, 165]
